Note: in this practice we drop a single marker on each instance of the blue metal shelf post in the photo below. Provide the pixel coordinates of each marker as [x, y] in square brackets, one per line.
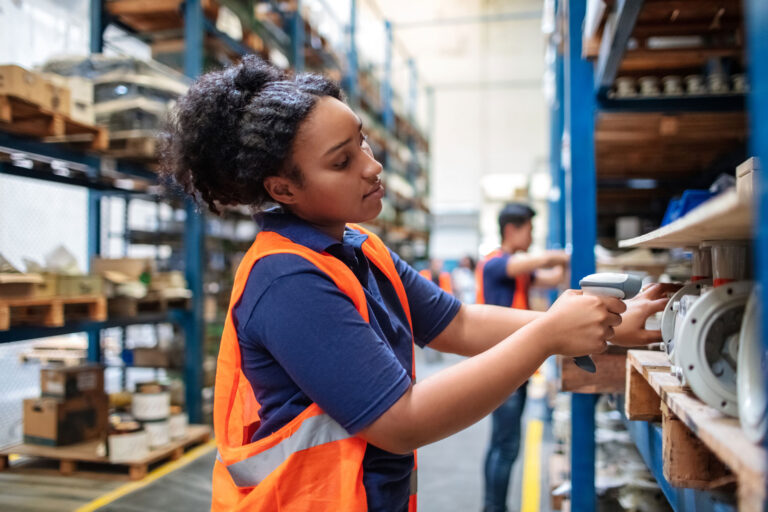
[350, 78]
[94, 196]
[386, 84]
[297, 39]
[556, 233]
[756, 15]
[581, 192]
[193, 236]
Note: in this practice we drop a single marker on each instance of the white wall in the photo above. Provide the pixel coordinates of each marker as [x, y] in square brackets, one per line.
[489, 116]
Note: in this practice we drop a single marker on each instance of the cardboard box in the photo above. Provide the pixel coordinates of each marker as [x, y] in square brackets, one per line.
[72, 381]
[73, 286]
[129, 269]
[27, 85]
[26, 286]
[54, 422]
[151, 357]
[80, 96]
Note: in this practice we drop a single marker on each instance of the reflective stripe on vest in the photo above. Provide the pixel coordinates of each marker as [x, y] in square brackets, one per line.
[313, 431]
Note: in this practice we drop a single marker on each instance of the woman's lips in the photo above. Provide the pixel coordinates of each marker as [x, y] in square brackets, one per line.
[378, 191]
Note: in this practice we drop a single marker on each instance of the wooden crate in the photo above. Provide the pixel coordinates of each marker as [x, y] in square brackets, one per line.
[609, 377]
[23, 117]
[701, 448]
[70, 456]
[51, 311]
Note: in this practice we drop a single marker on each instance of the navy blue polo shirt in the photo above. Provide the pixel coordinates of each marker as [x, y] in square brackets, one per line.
[498, 288]
[303, 341]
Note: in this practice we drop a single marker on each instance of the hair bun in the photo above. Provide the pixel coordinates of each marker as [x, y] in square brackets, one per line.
[253, 74]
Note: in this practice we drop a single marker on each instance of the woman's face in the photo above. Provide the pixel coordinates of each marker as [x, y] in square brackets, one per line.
[340, 177]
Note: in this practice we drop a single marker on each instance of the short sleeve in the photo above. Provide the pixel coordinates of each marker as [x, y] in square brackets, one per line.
[432, 309]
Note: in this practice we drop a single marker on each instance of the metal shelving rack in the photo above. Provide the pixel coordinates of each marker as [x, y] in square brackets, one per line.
[579, 96]
[195, 27]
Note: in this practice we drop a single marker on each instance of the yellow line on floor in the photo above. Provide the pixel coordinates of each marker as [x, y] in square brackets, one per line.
[532, 466]
[163, 470]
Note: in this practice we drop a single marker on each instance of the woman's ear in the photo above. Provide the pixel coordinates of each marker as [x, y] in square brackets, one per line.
[281, 189]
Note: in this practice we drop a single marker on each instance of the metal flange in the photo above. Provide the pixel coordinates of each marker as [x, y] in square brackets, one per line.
[707, 347]
[753, 405]
[669, 315]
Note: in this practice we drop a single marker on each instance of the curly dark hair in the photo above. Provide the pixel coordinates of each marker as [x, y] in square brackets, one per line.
[235, 127]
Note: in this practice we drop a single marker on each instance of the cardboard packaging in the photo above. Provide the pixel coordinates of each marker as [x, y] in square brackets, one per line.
[65, 382]
[26, 286]
[17, 81]
[74, 286]
[55, 422]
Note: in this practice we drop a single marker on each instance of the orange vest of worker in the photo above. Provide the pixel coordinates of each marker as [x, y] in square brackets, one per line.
[522, 284]
[445, 279]
[312, 463]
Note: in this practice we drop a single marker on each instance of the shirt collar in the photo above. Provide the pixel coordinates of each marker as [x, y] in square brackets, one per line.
[301, 232]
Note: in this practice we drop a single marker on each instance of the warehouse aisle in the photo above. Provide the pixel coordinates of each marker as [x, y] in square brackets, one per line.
[450, 477]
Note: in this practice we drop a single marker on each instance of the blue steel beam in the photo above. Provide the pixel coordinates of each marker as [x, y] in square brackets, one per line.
[581, 191]
[297, 39]
[756, 15]
[193, 236]
[556, 233]
[350, 77]
[386, 84]
[466, 20]
[94, 197]
[614, 43]
[97, 26]
[413, 88]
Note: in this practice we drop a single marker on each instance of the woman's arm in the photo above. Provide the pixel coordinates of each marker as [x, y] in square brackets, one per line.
[461, 395]
[476, 328]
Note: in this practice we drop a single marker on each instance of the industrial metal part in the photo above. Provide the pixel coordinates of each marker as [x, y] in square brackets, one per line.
[707, 344]
[670, 313]
[753, 404]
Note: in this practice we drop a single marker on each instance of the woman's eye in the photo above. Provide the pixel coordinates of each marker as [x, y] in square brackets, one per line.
[342, 164]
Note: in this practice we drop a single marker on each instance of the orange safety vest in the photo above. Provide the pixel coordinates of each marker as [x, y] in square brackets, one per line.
[445, 279]
[311, 463]
[522, 284]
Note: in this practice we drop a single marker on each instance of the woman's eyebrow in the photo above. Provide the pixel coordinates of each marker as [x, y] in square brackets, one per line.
[346, 141]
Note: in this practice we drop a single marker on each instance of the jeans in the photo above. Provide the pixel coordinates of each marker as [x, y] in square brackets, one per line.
[503, 449]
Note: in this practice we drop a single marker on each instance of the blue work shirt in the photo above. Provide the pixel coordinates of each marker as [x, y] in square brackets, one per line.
[498, 288]
[303, 341]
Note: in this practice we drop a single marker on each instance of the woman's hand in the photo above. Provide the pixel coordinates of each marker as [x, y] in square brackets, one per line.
[579, 324]
[632, 330]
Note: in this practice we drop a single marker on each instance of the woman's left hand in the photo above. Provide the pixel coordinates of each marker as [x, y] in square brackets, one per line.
[651, 300]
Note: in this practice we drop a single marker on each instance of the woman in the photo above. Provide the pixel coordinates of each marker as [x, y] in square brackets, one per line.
[316, 406]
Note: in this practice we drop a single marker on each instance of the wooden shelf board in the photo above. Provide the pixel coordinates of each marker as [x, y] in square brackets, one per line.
[724, 217]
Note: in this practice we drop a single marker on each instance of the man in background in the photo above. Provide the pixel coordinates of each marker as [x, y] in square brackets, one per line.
[504, 278]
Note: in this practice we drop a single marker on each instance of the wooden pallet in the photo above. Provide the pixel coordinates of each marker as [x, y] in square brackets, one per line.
[26, 118]
[51, 311]
[701, 447]
[127, 306]
[609, 377]
[155, 15]
[70, 456]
